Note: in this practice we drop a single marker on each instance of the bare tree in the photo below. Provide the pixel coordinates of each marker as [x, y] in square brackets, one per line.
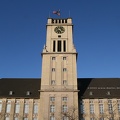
[70, 114]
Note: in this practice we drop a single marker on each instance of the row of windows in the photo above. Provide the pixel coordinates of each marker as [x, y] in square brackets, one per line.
[59, 46]
[27, 93]
[65, 99]
[54, 58]
[63, 118]
[59, 20]
[101, 101]
[107, 93]
[64, 69]
[16, 118]
[53, 82]
[101, 118]
[17, 107]
[101, 108]
[64, 108]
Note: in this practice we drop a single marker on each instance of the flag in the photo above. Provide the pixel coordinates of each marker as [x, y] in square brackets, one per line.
[57, 12]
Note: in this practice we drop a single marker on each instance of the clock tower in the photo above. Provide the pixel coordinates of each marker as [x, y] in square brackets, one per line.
[58, 94]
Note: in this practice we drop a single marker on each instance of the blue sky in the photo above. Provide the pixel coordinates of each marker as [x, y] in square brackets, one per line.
[96, 36]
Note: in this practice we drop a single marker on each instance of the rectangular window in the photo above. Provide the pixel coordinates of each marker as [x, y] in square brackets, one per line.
[64, 69]
[53, 69]
[92, 119]
[119, 108]
[64, 58]
[54, 46]
[64, 99]
[101, 118]
[25, 118]
[91, 108]
[59, 46]
[64, 46]
[8, 107]
[0, 106]
[53, 58]
[35, 108]
[7, 118]
[64, 82]
[35, 119]
[82, 109]
[101, 110]
[52, 99]
[52, 108]
[26, 108]
[17, 108]
[16, 118]
[52, 117]
[110, 108]
[64, 108]
[65, 118]
[111, 118]
[52, 82]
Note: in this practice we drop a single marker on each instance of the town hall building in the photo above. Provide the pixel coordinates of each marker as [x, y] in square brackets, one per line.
[59, 94]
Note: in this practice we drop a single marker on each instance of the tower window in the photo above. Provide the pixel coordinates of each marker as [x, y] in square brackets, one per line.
[53, 69]
[59, 46]
[53, 58]
[65, 20]
[52, 20]
[52, 99]
[54, 46]
[64, 69]
[64, 46]
[52, 82]
[64, 58]
[64, 82]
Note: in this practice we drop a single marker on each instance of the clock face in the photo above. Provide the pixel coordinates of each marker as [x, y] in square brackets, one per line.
[59, 29]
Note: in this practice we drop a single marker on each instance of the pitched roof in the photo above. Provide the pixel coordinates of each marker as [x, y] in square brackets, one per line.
[19, 87]
[99, 87]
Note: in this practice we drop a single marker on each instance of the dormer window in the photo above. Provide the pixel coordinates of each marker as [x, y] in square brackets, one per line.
[91, 93]
[28, 93]
[108, 93]
[11, 92]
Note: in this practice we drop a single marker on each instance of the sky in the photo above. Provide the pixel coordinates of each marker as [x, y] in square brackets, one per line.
[96, 36]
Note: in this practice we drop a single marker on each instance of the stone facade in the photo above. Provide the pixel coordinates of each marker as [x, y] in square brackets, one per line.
[59, 94]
